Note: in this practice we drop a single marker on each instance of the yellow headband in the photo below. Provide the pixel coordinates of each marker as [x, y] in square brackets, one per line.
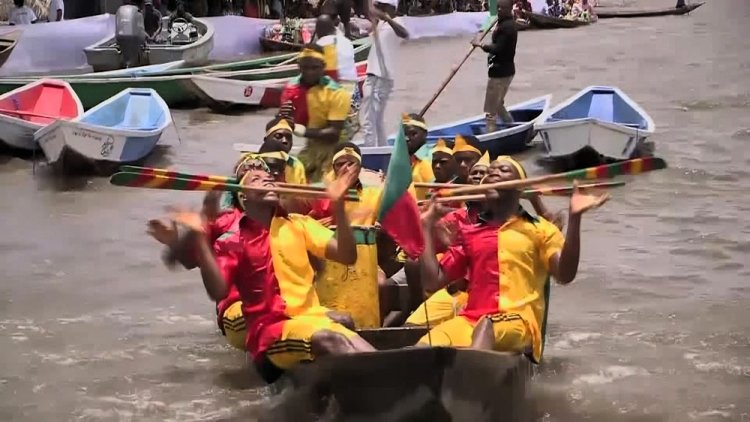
[347, 151]
[519, 168]
[408, 121]
[440, 146]
[484, 161]
[280, 155]
[308, 52]
[462, 146]
[281, 125]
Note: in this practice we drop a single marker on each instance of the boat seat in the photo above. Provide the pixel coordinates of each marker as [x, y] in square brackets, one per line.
[602, 106]
[138, 112]
[48, 103]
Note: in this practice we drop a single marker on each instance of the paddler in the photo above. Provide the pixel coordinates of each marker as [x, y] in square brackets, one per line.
[507, 255]
[353, 289]
[319, 107]
[443, 163]
[267, 260]
[415, 130]
[467, 150]
[279, 139]
[340, 66]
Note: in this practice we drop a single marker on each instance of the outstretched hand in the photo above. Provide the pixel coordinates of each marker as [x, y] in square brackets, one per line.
[581, 202]
[340, 186]
[190, 219]
[433, 212]
[164, 233]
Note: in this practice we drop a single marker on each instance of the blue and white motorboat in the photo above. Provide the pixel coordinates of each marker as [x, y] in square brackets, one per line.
[507, 139]
[122, 129]
[599, 120]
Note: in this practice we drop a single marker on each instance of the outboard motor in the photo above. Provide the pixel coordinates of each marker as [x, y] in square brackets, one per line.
[130, 35]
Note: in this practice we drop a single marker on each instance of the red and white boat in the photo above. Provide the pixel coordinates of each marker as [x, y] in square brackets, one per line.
[221, 93]
[31, 107]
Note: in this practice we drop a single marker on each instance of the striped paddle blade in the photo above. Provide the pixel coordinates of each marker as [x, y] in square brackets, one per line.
[155, 181]
[177, 174]
[609, 171]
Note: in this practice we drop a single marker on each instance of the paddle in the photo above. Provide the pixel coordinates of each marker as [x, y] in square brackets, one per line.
[455, 70]
[609, 171]
[549, 191]
[154, 181]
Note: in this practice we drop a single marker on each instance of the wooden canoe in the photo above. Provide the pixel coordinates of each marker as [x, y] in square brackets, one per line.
[550, 22]
[413, 384]
[8, 42]
[623, 13]
[269, 45]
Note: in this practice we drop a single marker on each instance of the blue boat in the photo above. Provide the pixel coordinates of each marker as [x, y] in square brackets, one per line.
[507, 139]
[123, 129]
[598, 122]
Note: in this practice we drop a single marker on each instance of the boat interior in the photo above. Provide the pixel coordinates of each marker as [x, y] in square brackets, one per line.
[601, 104]
[133, 111]
[479, 126]
[41, 104]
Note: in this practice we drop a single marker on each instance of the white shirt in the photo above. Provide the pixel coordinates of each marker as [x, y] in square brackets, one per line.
[54, 6]
[21, 16]
[345, 65]
[382, 59]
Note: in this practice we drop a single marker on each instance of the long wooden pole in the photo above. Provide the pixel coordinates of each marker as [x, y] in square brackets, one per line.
[455, 70]
[550, 191]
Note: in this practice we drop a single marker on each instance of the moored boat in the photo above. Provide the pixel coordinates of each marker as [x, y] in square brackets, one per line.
[31, 107]
[222, 93]
[538, 20]
[610, 13]
[599, 120]
[507, 139]
[122, 129]
[8, 42]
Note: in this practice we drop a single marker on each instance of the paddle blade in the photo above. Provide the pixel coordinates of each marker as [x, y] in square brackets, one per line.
[153, 181]
[623, 168]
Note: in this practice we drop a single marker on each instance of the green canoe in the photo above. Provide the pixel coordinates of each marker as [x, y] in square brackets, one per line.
[175, 86]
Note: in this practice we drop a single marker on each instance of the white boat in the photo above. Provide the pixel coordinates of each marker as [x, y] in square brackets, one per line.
[26, 109]
[122, 129]
[599, 119]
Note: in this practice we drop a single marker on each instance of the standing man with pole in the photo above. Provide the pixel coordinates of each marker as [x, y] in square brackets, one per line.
[501, 62]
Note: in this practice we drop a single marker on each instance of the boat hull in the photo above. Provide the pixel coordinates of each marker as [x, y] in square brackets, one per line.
[611, 14]
[610, 140]
[540, 21]
[268, 44]
[18, 133]
[415, 384]
[68, 145]
[8, 42]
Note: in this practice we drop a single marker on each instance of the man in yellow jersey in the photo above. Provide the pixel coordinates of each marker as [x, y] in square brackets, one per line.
[467, 150]
[443, 163]
[319, 107]
[508, 256]
[415, 130]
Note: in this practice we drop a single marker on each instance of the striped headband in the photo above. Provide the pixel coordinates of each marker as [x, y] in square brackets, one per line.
[281, 125]
[347, 151]
[408, 121]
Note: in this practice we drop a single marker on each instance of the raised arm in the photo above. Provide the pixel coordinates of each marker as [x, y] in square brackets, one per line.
[342, 248]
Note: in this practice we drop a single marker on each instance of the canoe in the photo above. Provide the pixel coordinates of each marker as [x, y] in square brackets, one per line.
[106, 54]
[507, 139]
[599, 119]
[222, 93]
[123, 129]
[610, 13]
[541, 21]
[140, 70]
[268, 44]
[415, 384]
[31, 107]
[8, 42]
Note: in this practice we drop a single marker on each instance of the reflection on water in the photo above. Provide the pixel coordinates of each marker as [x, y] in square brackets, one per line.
[93, 327]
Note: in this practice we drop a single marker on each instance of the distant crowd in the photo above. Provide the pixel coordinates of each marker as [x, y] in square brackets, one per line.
[21, 14]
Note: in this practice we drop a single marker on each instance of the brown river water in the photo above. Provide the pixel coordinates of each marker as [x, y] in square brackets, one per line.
[656, 327]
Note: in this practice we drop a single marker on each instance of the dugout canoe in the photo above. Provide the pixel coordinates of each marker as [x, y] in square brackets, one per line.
[437, 384]
[641, 13]
[537, 20]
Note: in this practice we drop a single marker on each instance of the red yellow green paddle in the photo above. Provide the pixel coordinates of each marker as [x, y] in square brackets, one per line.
[156, 181]
[609, 171]
[548, 191]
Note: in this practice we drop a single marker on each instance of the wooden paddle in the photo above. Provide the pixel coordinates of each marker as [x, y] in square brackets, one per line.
[455, 70]
[549, 191]
[154, 181]
[438, 185]
[609, 171]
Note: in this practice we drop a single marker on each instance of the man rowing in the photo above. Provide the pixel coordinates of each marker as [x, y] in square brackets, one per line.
[319, 107]
[267, 260]
[507, 255]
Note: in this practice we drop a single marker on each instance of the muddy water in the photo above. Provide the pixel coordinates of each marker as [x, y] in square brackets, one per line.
[93, 327]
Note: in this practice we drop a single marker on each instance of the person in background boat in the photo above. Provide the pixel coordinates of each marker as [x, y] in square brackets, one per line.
[387, 34]
[151, 20]
[180, 13]
[56, 11]
[552, 8]
[319, 108]
[21, 14]
[340, 9]
[267, 260]
[415, 130]
[501, 60]
[467, 150]
[340, 65]
[531, 248]
[588, 13]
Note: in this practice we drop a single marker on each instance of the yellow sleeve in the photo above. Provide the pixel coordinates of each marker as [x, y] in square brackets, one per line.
[295, 173]
[551, 241]
[340, 105]
[317, 236]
